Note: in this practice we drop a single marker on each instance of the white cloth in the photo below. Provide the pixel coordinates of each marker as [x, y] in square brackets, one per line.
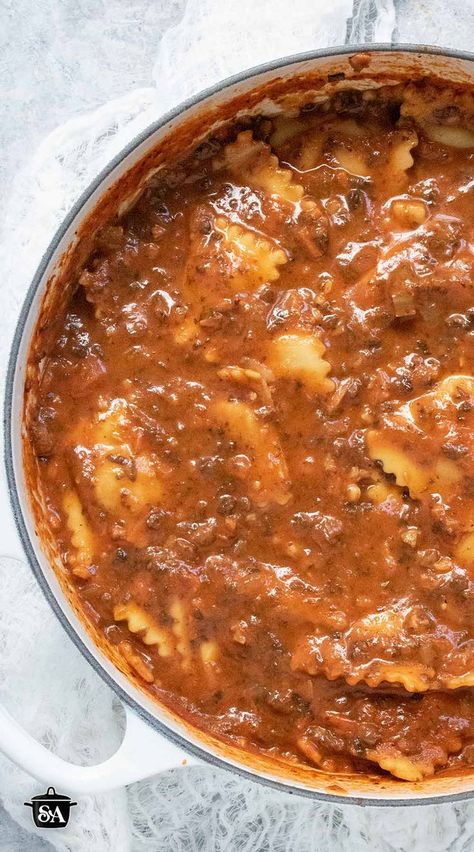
[44, 681]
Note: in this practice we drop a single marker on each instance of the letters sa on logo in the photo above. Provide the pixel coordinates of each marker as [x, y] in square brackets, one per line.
[50, 809]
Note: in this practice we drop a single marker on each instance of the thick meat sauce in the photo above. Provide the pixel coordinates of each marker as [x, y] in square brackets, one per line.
[255, 434]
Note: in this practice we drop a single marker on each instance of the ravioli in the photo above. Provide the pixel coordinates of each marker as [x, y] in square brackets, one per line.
[300, 357]
[252, 259]
[224, 258]
[171, 641]
[383, 648]
[82, 536]
[410, 443]
[140, 621]
[269, 480]
[253, 162]
[125, 479]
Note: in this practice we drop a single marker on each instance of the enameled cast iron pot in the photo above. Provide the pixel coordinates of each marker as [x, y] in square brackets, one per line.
[155, 739]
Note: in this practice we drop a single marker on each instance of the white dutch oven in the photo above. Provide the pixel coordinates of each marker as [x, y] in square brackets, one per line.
[155, 739]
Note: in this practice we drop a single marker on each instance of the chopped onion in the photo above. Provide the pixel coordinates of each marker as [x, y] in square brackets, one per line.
[267, 379]
[404, 304]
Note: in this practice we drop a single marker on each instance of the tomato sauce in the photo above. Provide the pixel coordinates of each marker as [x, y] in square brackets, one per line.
[255, 432]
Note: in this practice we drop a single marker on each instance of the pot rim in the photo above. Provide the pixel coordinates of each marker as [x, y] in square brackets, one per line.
[180, 740]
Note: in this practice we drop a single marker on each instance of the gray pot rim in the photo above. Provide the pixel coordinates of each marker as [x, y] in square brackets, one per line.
[18, 516]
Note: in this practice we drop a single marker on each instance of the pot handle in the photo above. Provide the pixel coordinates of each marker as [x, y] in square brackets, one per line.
[142, 753]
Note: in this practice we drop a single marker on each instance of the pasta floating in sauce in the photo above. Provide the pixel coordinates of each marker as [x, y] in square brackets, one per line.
[255, 427]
